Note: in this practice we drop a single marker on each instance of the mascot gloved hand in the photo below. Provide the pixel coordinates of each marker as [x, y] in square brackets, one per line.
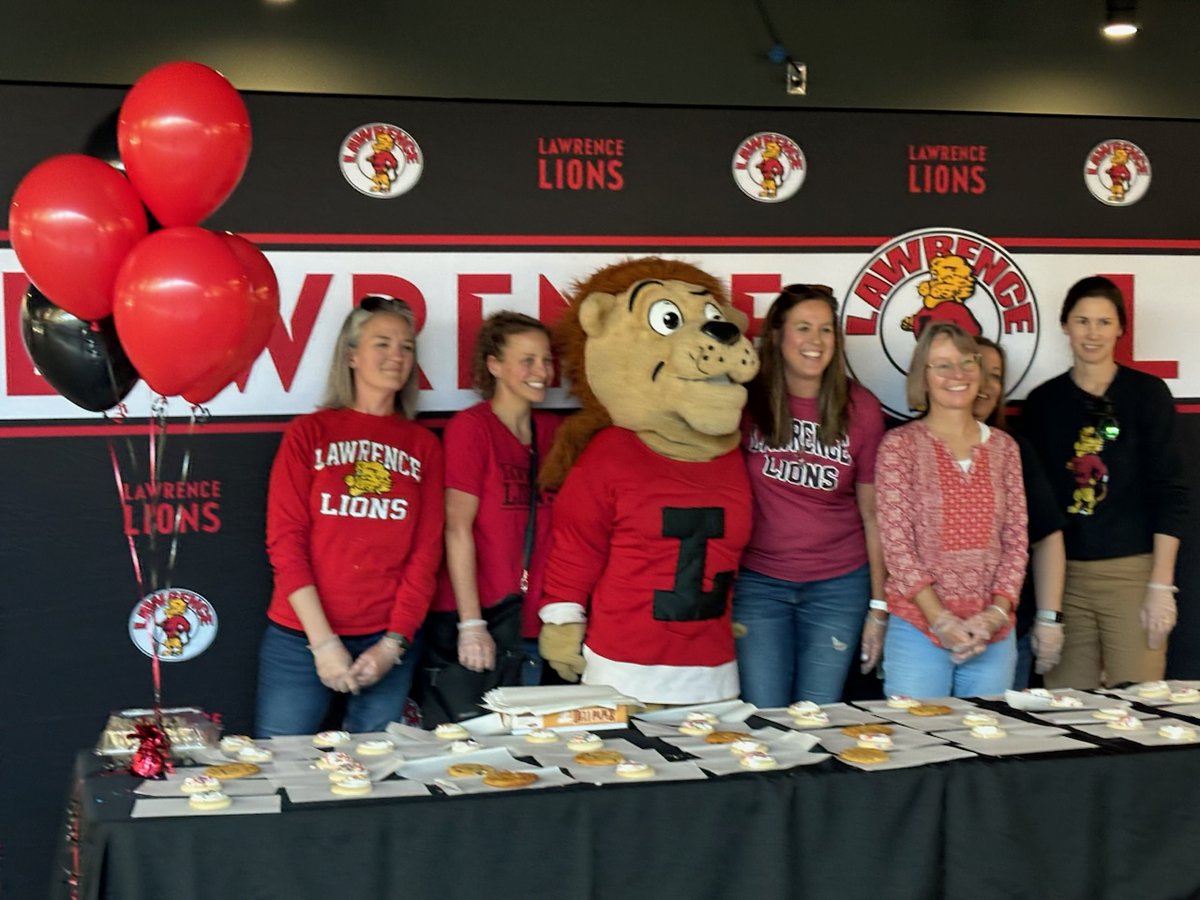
[654, 505]
[561, 646]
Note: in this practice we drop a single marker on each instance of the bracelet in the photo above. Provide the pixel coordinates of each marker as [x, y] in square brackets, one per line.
[1159, 586]
[321, 645]
[875, 603]
[1051, 616]
[471, 623]
[1000, 609]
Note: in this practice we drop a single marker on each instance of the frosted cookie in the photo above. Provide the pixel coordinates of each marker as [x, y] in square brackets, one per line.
[1185, 695]
[1066, 701]
[228, 771]
[468, 770]
[1110, 713]
[255, 754]
[350, 770]
[859, 730]
[1154, 689]
[812, 720]
[742, 746]
[803, 708]
[198, 784]
[375, 747]
[988, 732]
[451, 731]
[863, 755]
[930, 709]
[899, 701]
[209, 800]
[758, 761]
[972, 719]
[541, 736]
[232, 743]
[503, 778]
[1177, 732]
[634, 770]
[1126, 723]
[725, 737]
[353, 786]
[335, 759]
[878, 741]
[466, 746]
[331, 738]
[696, 727]
[1040, 693]
[599, 758]
[578, 743]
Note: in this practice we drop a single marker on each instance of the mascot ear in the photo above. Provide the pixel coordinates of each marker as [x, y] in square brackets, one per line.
[593, 310]
[737, 317]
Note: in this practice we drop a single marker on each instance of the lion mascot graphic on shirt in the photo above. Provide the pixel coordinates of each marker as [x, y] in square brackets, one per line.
[654, 504]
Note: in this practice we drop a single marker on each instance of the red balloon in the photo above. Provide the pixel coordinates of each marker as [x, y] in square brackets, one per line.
[184, 136]
[182, 307]
[264, 311]
[72, 221]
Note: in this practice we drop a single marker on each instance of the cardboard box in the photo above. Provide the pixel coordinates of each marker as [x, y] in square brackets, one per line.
[583, 718]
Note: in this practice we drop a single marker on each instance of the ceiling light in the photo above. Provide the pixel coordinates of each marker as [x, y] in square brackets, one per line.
[1121, 19]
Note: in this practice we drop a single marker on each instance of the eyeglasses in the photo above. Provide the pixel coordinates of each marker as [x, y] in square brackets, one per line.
[1104, 418]
[373, 303]
[967, 366]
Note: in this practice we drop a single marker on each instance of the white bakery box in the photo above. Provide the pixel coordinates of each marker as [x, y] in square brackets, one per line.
[561, 707]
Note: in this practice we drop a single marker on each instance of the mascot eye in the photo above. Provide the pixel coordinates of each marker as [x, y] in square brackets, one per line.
[665, 317]
[712, 313]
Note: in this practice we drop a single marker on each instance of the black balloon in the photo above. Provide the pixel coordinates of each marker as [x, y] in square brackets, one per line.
[102, 142]
[85, 364]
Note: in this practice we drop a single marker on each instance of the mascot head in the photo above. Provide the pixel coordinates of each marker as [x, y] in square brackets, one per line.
[653, 345]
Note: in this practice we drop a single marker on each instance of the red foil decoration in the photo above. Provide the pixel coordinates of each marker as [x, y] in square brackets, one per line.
[152, 759]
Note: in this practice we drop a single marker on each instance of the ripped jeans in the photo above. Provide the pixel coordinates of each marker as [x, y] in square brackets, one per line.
[800, 638]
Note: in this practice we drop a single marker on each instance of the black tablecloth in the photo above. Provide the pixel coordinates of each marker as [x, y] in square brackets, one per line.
[1118, 822]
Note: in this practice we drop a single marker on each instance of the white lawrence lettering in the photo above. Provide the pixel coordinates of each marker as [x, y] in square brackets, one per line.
[346, 453]
[349, 507]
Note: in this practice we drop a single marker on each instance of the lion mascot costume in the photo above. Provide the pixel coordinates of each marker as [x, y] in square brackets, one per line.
[654, 503]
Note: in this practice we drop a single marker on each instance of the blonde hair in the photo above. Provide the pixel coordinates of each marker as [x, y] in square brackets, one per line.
[339, 386]
[916, 385]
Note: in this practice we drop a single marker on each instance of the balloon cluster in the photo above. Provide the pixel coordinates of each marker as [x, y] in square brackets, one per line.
[117, 294]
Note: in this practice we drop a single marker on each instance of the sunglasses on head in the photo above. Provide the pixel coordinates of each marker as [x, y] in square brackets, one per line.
[1104, 418]
[808, 289]
[381, 303]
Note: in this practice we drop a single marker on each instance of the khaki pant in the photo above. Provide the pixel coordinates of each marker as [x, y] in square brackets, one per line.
[1104, 641]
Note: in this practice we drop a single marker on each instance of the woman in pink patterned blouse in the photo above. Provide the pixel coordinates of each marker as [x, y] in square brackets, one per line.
[951, 508]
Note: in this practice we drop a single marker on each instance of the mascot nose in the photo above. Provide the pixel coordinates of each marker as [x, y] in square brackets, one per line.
[725, 332]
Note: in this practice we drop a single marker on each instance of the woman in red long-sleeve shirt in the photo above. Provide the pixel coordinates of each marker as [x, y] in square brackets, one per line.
[952, 519]
[354, 533]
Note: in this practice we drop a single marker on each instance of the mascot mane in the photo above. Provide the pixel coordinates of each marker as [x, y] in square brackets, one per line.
[571, 339]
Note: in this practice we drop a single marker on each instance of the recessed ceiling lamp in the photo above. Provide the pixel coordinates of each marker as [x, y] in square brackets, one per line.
[1120, 20]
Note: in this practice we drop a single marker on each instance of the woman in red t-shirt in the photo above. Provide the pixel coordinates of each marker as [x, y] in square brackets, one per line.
[814, 560]
[487, 487]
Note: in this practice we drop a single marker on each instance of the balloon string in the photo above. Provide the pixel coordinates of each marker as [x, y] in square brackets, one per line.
[184, 473]
[121, 494]
[157, 453]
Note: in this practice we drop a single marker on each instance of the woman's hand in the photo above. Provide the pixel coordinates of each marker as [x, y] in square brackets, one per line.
[1046, 640]
[375, 662]
[1158, 614]
[332, 662]
[874, 630]
[476, 649]
[956, 636]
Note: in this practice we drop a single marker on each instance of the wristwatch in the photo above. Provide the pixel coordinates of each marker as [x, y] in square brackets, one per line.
[1049, 615]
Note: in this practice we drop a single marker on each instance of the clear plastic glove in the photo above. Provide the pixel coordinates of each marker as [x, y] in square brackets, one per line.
[562, 647]
[375, 662]
[954, 635]
[1046, 640]
[476, 649]
[332, 662]
[985, 623]
[874, 630]
[1158, 616]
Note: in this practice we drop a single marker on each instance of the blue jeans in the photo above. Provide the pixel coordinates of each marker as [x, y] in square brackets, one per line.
[531, 667]
[800, 638]
[914, 666]
[292, 700]
[1024, 663]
